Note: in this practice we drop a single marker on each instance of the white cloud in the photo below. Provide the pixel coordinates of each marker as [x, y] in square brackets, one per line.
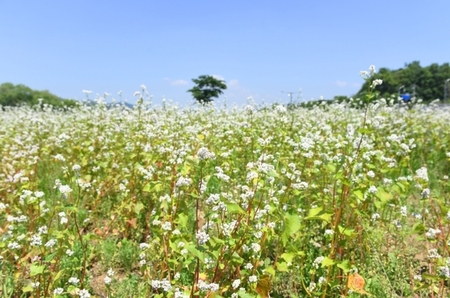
[340, 83]
[219, 77]
[233, 84]
[179, 83]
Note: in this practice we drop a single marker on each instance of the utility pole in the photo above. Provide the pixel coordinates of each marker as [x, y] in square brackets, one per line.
[446, 90]
[290, 94]
[399, 88]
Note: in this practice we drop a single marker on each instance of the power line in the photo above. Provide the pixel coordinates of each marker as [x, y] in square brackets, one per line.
[290, 95]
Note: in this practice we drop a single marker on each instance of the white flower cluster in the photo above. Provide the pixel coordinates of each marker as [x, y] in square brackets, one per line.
[161, 284]
[432, 233]
[317, 262]
[109, 275]
[204, 286]
[422, 174]
[202, 237]
[203, 154]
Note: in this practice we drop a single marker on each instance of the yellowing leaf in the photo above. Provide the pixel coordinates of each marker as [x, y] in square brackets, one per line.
[263, 286]
[356, 282]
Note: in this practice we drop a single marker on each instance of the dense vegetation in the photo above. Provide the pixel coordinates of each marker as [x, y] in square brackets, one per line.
[428, 81]
[15, 95]
[334, 200]
[329, 201]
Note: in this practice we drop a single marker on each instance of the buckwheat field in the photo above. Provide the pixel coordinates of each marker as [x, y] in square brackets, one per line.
[334, 200]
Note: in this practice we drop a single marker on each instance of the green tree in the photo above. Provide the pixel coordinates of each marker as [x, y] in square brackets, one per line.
[207, 88]
[15, 95]
[428, 81]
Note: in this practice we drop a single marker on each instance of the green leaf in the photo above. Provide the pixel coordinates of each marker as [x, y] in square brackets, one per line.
[270, 270]
[359, 194]
[235, 208]
[313, 212]
[237, 258]
[152, 187]
[27, 289]
[36, 269]
[243, 294]
[195, 252]
[430, 276]
[182, 220]
[273, 173]
[58, 275]
[215, 240]
[383, 195]
[326, 216]
[327, 262]
[291, 225]
[288, 257]
[282, 267]
[347, 231]
[345, 266]
[138, 208]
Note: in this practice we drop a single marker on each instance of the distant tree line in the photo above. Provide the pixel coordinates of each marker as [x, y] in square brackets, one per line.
[428, 81]
[16, 95]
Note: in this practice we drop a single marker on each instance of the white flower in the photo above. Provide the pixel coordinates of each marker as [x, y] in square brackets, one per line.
[403, 211]
[43, 230]
[372, 190]
[364, 73]
[166, 226]
[256, 247]
[252, 279]
[433, 254]
[107, 280]
[444, 271]
[202, 237]
[58, 291]
[322, 280]
[110, 272]
[425, 193]
[14, 245]
[329, 232]
[36, 240]
[69, 252]
[74, 280]
[84, 294]
[422, 174]
[431, 233]
[50, 243]
[236, 283]
[64, 189]
[318, 261]
[143, 246]
[39, 194]
[203, 153]
[376, 83]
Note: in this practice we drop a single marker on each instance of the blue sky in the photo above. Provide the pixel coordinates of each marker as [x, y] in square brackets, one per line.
[260, 48]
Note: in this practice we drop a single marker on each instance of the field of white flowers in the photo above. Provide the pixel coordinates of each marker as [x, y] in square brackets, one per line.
[329, 201]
